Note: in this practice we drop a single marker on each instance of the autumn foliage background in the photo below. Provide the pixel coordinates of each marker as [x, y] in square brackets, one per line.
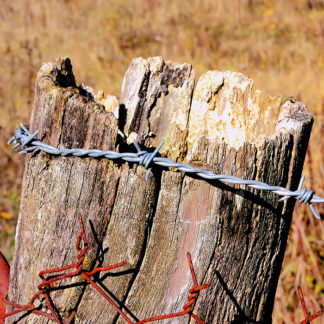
[279, 44]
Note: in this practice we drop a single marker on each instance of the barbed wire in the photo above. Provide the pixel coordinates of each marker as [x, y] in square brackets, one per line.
[30, 143]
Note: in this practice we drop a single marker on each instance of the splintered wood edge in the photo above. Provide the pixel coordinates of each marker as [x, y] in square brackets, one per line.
[225, 108]
[156, 96]
[222, 107]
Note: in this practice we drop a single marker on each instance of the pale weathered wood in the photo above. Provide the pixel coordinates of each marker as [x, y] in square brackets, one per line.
[127, 208]
[237, 237]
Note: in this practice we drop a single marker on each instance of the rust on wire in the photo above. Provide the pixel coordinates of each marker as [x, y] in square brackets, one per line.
[187, 308]
[308, 318]
[48, 285]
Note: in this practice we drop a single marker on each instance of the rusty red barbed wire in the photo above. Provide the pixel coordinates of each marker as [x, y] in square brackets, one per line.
[308, 318]
[187, 309]
[48, 285]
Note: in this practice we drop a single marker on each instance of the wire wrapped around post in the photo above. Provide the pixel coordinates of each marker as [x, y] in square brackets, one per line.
[30, 143]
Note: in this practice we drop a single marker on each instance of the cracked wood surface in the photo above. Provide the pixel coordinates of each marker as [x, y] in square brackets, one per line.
[237, 236]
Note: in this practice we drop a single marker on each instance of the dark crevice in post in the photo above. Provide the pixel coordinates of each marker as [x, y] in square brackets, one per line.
[122, 117]
[139, 111]
[64, 74]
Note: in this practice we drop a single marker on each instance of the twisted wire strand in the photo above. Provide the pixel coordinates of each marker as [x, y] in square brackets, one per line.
[29, 143]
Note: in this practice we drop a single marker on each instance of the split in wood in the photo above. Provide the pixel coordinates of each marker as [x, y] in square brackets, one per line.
[308, 318]
[47, 285]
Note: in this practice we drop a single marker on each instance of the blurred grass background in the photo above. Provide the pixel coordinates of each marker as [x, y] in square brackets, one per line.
[279, 44]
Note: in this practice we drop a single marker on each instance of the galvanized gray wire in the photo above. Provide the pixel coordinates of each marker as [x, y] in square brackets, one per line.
[30, 143]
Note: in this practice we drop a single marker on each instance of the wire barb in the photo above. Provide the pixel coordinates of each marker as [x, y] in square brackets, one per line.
[50, 277]
[54, 275]
[146, 157]
[187, 308]
[308, 318]
[30, 143]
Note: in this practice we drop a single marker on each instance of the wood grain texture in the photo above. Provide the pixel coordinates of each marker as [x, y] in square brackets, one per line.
[56, 189]
[237, 236]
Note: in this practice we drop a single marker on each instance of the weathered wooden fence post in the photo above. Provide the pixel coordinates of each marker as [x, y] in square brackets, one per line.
[236, 236]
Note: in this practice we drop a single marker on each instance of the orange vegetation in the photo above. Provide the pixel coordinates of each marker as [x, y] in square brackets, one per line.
[279, 44]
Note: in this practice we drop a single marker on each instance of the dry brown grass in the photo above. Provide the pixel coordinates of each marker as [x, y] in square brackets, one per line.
[277, 43]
